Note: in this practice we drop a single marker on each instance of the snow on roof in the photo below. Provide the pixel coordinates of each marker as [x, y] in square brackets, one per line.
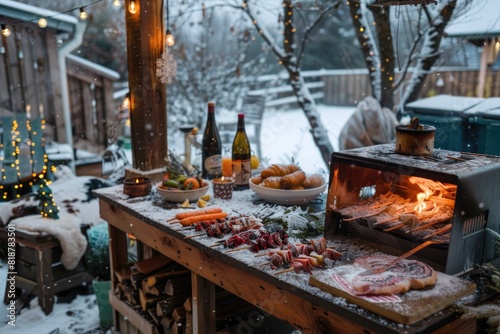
[99, 69]
[481, 19]
[25, 12]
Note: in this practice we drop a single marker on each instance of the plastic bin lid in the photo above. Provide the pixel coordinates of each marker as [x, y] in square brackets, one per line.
[443, 105]
[489, 108]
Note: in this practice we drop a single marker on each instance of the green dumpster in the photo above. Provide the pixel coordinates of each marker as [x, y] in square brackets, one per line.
[486, 126]
[449, 114]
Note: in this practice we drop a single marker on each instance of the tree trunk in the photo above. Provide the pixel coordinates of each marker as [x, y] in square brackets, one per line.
[434, 41]
[387, 55]
[304, 98]
[367, 47]
[289, 61]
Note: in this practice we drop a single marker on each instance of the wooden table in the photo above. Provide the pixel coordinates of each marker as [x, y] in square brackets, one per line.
[289, 298]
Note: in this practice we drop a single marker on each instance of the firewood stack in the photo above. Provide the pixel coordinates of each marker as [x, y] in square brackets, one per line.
[160, 290]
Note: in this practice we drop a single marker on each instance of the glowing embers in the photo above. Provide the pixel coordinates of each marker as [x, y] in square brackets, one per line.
[416, 207]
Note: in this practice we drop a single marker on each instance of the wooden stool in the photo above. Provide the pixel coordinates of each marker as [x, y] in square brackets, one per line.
[39, 270]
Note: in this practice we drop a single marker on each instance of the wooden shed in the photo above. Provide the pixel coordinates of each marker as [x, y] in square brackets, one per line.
[43, 80]
[480, 26]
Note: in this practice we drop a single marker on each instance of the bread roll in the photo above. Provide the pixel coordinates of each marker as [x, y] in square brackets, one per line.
[313, 181]
[292, 180]
[278, 170]
[272, 182]
[256, 179]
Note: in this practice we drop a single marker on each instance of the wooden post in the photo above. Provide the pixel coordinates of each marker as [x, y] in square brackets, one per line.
[148, 113]
[483, 68]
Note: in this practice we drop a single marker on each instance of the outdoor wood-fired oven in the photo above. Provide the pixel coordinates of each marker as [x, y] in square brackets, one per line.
[401, 201]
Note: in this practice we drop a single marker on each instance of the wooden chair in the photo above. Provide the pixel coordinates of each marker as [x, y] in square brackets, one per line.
[40, 272]
[253, 107]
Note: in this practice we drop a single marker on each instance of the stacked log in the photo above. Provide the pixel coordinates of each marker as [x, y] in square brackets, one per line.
[159, 289]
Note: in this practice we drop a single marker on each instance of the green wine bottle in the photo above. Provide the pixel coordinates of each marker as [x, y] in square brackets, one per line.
[211, 158]
[241, 156]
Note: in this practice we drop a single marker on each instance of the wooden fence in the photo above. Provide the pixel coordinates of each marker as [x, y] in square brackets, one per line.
[348, 87]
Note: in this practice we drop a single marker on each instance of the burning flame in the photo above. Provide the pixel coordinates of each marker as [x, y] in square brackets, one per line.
[428, 188]
[421, 204]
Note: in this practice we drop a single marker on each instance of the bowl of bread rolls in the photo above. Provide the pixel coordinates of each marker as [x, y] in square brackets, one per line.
[287, 185]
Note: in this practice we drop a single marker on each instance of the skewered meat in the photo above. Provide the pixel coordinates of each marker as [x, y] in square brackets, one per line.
[234, 225]
[257, 239]
[315, 252]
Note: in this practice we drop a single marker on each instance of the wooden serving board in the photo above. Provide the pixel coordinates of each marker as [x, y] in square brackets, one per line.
[413, 306]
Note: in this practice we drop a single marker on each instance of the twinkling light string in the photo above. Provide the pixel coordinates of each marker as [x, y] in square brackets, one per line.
[42, 21]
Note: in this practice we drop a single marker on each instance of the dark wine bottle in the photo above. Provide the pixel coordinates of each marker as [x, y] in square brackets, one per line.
[211, 158]
[241, 156]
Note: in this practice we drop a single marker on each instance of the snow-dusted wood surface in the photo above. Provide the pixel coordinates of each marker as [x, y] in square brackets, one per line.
[288, 296]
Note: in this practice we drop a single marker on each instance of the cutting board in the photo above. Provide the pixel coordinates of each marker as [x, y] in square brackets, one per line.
[407, 308]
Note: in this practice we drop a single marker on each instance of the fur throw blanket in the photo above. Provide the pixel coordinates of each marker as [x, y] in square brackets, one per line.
[66, 229]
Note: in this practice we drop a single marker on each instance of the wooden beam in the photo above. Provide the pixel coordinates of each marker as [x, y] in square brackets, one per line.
[148, 114]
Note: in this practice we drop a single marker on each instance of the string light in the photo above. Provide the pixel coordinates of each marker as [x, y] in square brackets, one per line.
[169, 38]
[5, 30]
[42, 22]
[116, 3]
[83, 13]
[126, 101]
[132, 8]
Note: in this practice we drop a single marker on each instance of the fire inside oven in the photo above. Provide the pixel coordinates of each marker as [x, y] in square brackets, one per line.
[410, 207]
[401, 202]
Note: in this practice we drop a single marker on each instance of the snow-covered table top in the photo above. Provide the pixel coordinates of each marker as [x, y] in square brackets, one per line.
[154, 213]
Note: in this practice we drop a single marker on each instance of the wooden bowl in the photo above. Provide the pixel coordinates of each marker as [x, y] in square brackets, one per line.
[178, 196]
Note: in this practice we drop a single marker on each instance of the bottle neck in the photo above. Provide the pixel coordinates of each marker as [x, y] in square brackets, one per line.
[211, 112]
[241, 122]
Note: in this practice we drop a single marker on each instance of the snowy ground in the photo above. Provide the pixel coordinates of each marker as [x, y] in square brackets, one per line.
[284, 135]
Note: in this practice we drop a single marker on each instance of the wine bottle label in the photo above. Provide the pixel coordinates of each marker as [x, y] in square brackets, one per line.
[213, 165]
[241, 172]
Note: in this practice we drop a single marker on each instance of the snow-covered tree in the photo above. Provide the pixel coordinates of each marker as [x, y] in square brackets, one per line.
[290, 51]
[216, 61]
[377, 30]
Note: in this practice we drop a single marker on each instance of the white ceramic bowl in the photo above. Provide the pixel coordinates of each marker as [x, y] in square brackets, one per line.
[287, 197]
[179, 196]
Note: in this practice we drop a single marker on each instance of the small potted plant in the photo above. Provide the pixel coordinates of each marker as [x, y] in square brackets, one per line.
[99, 266]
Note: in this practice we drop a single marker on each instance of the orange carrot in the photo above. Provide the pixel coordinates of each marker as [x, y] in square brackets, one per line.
[182, 215]
[196, 219]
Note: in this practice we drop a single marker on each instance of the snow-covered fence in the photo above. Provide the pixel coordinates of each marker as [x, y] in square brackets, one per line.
[279, 93]
[348, 87]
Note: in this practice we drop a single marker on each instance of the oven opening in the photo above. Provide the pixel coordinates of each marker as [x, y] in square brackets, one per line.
[405, 206]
